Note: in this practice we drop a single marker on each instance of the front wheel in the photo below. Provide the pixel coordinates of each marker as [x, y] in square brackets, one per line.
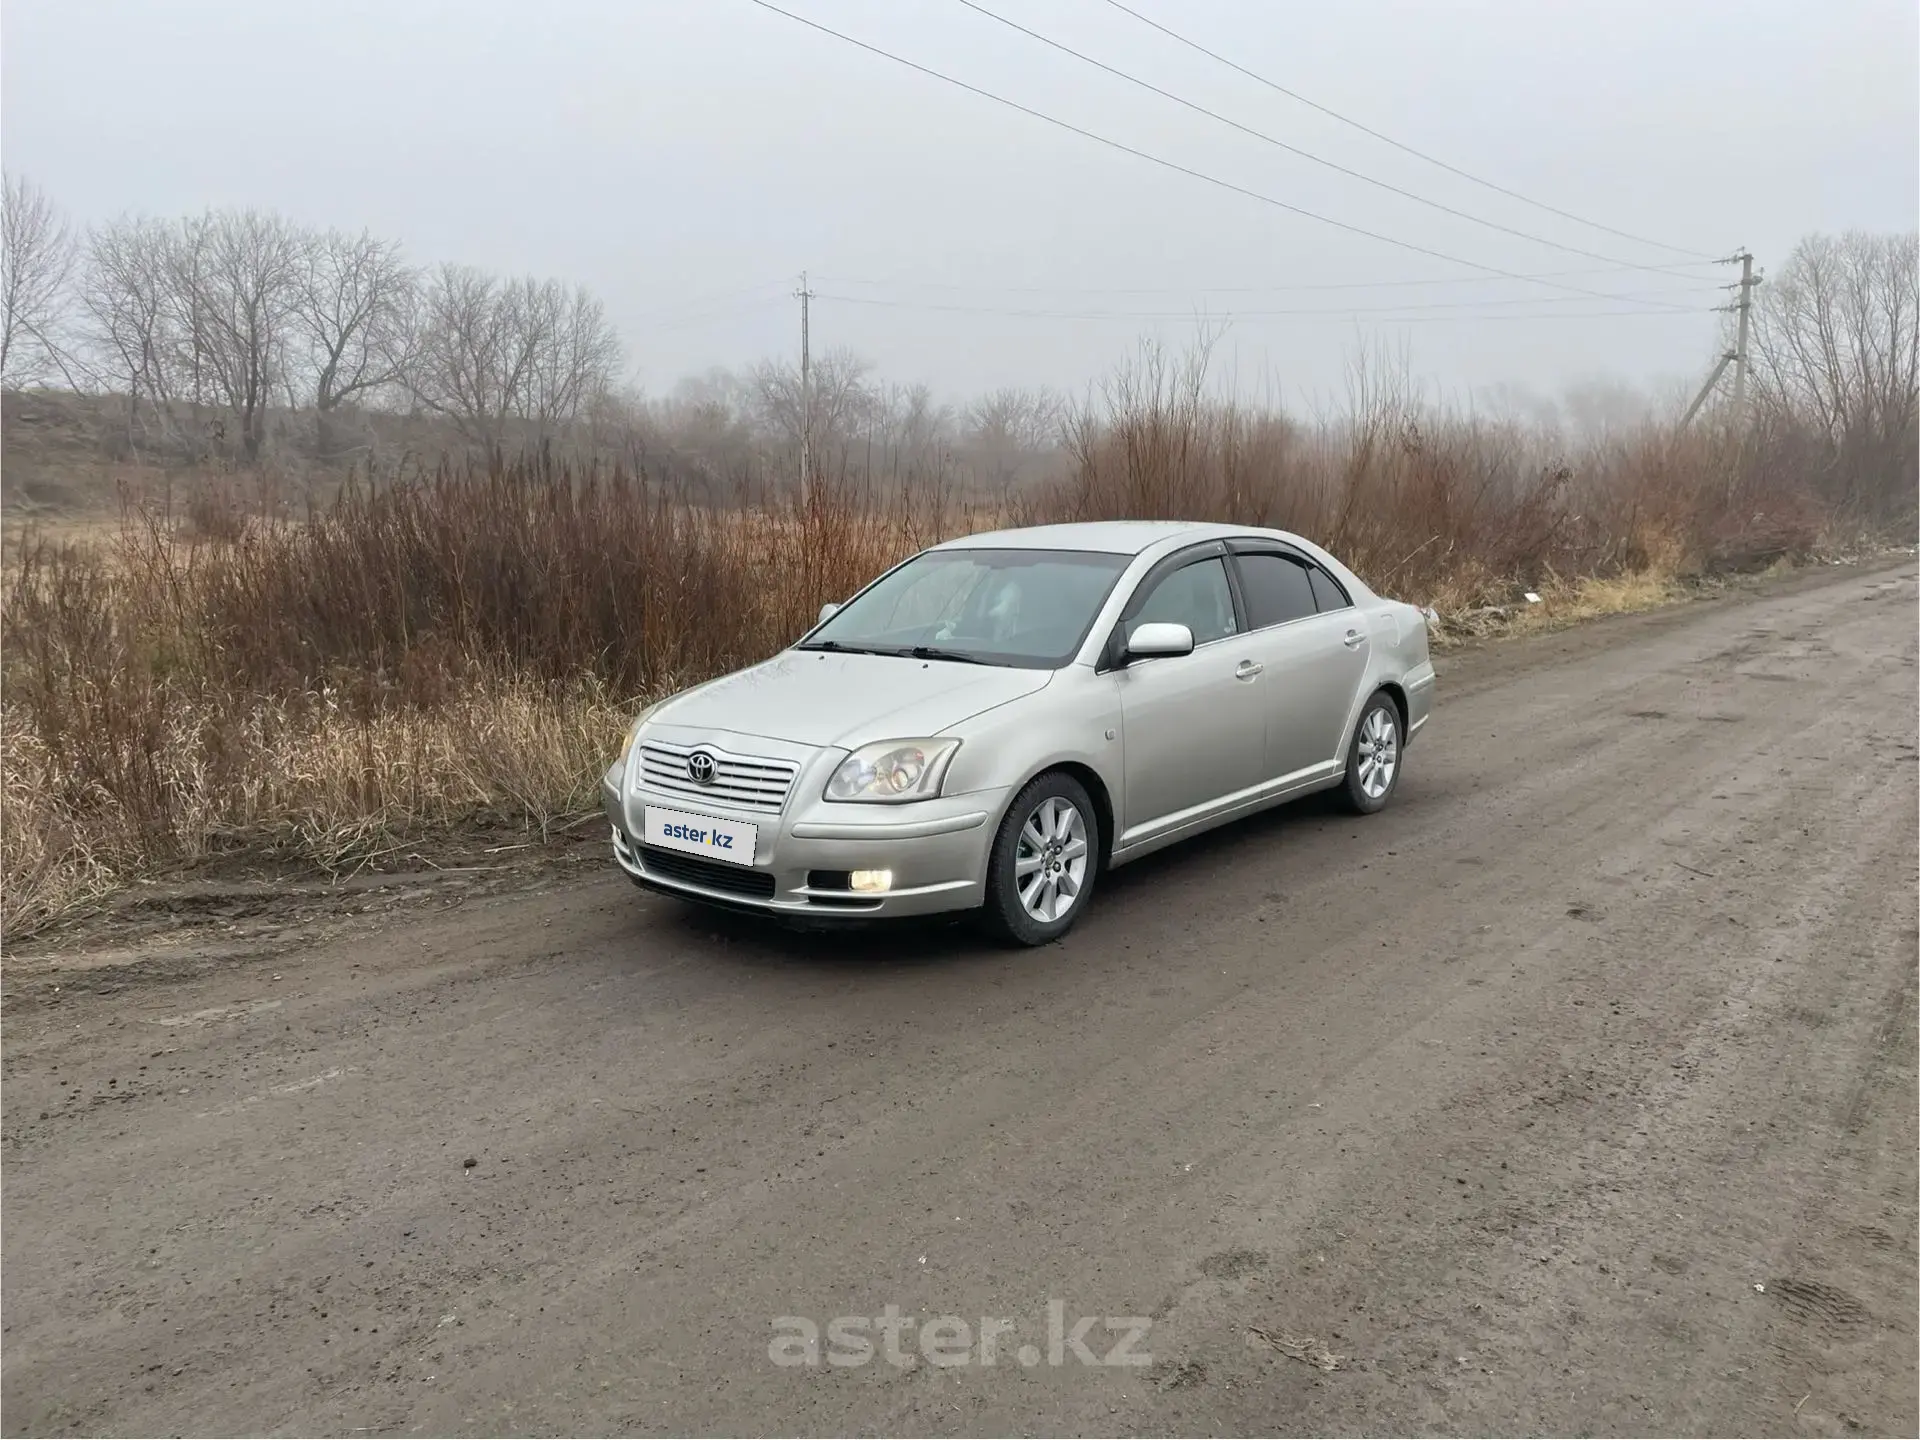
[1373, 757]
[1044, 861]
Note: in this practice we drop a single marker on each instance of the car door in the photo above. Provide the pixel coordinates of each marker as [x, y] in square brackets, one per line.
[1194, 736]
[1313, 644]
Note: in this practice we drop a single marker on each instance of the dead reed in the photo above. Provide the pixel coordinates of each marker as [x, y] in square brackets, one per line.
[468, 646]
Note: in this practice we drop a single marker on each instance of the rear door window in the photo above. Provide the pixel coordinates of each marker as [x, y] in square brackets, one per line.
[1326, 590]
[1276, 588]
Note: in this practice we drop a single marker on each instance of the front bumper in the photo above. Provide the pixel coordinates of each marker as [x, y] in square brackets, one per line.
[937, 850]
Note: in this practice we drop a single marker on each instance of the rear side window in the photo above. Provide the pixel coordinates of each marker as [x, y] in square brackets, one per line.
[1327, 591]
[1276, 588]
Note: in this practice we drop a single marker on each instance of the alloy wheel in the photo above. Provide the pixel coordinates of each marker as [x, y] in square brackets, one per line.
[1050, 860]
[1379, 752]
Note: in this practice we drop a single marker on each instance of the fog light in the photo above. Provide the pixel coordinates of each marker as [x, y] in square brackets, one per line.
[870, 880]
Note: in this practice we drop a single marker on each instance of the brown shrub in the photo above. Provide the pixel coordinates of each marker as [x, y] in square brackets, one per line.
[470, 641]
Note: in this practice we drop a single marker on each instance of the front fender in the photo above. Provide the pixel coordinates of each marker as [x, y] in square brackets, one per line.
[1074, 723]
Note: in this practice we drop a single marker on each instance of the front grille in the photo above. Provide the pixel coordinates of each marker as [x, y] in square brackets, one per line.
[707, 874]
[740, 782]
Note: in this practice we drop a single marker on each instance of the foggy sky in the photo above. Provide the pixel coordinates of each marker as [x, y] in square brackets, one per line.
[686, 159]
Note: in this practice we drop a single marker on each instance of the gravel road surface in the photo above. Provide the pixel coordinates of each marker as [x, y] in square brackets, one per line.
[1575, 1093]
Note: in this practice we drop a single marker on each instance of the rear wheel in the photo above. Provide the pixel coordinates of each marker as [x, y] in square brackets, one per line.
[1044, 861]
[1373, 757]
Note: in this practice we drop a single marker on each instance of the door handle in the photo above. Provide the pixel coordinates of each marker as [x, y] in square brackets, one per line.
[1352, 638]
[1248, 669]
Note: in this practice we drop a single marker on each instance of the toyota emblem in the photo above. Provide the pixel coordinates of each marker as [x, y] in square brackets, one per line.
[700, 767]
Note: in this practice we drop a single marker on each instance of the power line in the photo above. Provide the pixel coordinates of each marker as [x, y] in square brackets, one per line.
[1399, 145]
[1390, 312]
[1705, 282]
[1643, 297]
[1265, 138]
[1164, 163]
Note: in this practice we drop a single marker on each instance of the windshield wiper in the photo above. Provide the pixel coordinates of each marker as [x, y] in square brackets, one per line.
[912, 652]
[841, 648]
[934, 652]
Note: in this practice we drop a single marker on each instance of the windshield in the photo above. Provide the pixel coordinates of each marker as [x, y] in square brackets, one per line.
[1026, 608]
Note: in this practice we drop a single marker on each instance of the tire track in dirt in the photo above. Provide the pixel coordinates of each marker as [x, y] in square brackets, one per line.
[1505, 1102]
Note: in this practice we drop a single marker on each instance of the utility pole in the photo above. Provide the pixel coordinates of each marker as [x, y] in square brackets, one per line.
[1706, 389]
[804, 295]
[1745, 306]
[1737, 356]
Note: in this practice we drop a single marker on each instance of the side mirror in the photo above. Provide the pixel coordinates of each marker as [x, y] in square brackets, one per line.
[827, 612]
[1159, 638]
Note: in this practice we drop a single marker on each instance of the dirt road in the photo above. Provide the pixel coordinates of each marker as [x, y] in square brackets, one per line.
[1576, 1093]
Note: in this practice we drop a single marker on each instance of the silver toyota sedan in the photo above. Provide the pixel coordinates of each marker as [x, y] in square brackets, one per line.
[993, 723]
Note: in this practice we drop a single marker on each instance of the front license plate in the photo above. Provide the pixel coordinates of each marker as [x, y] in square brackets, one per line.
[705, 835]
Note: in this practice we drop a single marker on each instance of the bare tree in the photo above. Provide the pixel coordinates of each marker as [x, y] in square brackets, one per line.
[36, 260]
[235, 286]
[574, 359]
[353, 310]
[909, 433]
[126, 319]
[488, 353]
[841, 400]
[457, 360]
[1028, 419]
[1836, 346]
[527, 316]
[1010, 429]
[709, 419]
[716, 401]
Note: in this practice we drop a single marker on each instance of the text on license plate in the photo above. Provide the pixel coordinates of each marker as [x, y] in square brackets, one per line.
[705, 835]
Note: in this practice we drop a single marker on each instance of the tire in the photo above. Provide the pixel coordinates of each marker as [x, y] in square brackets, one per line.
[1051, 820]
[1363, 790]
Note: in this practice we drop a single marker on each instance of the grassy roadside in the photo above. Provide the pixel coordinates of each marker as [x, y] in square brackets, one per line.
[461, 655]
[1559, 603]
[508, 763]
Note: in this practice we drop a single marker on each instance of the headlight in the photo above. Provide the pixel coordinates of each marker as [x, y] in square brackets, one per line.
[892, 772]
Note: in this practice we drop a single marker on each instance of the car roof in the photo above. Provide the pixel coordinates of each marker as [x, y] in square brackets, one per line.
[1114, 537]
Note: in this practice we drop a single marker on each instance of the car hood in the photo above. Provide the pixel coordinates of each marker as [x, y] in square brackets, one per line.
[815, 697]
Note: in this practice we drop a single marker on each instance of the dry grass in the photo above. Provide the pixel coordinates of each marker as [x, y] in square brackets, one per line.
[468, 647]
[1563, 602]
[1590, 596]
[325, 787]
